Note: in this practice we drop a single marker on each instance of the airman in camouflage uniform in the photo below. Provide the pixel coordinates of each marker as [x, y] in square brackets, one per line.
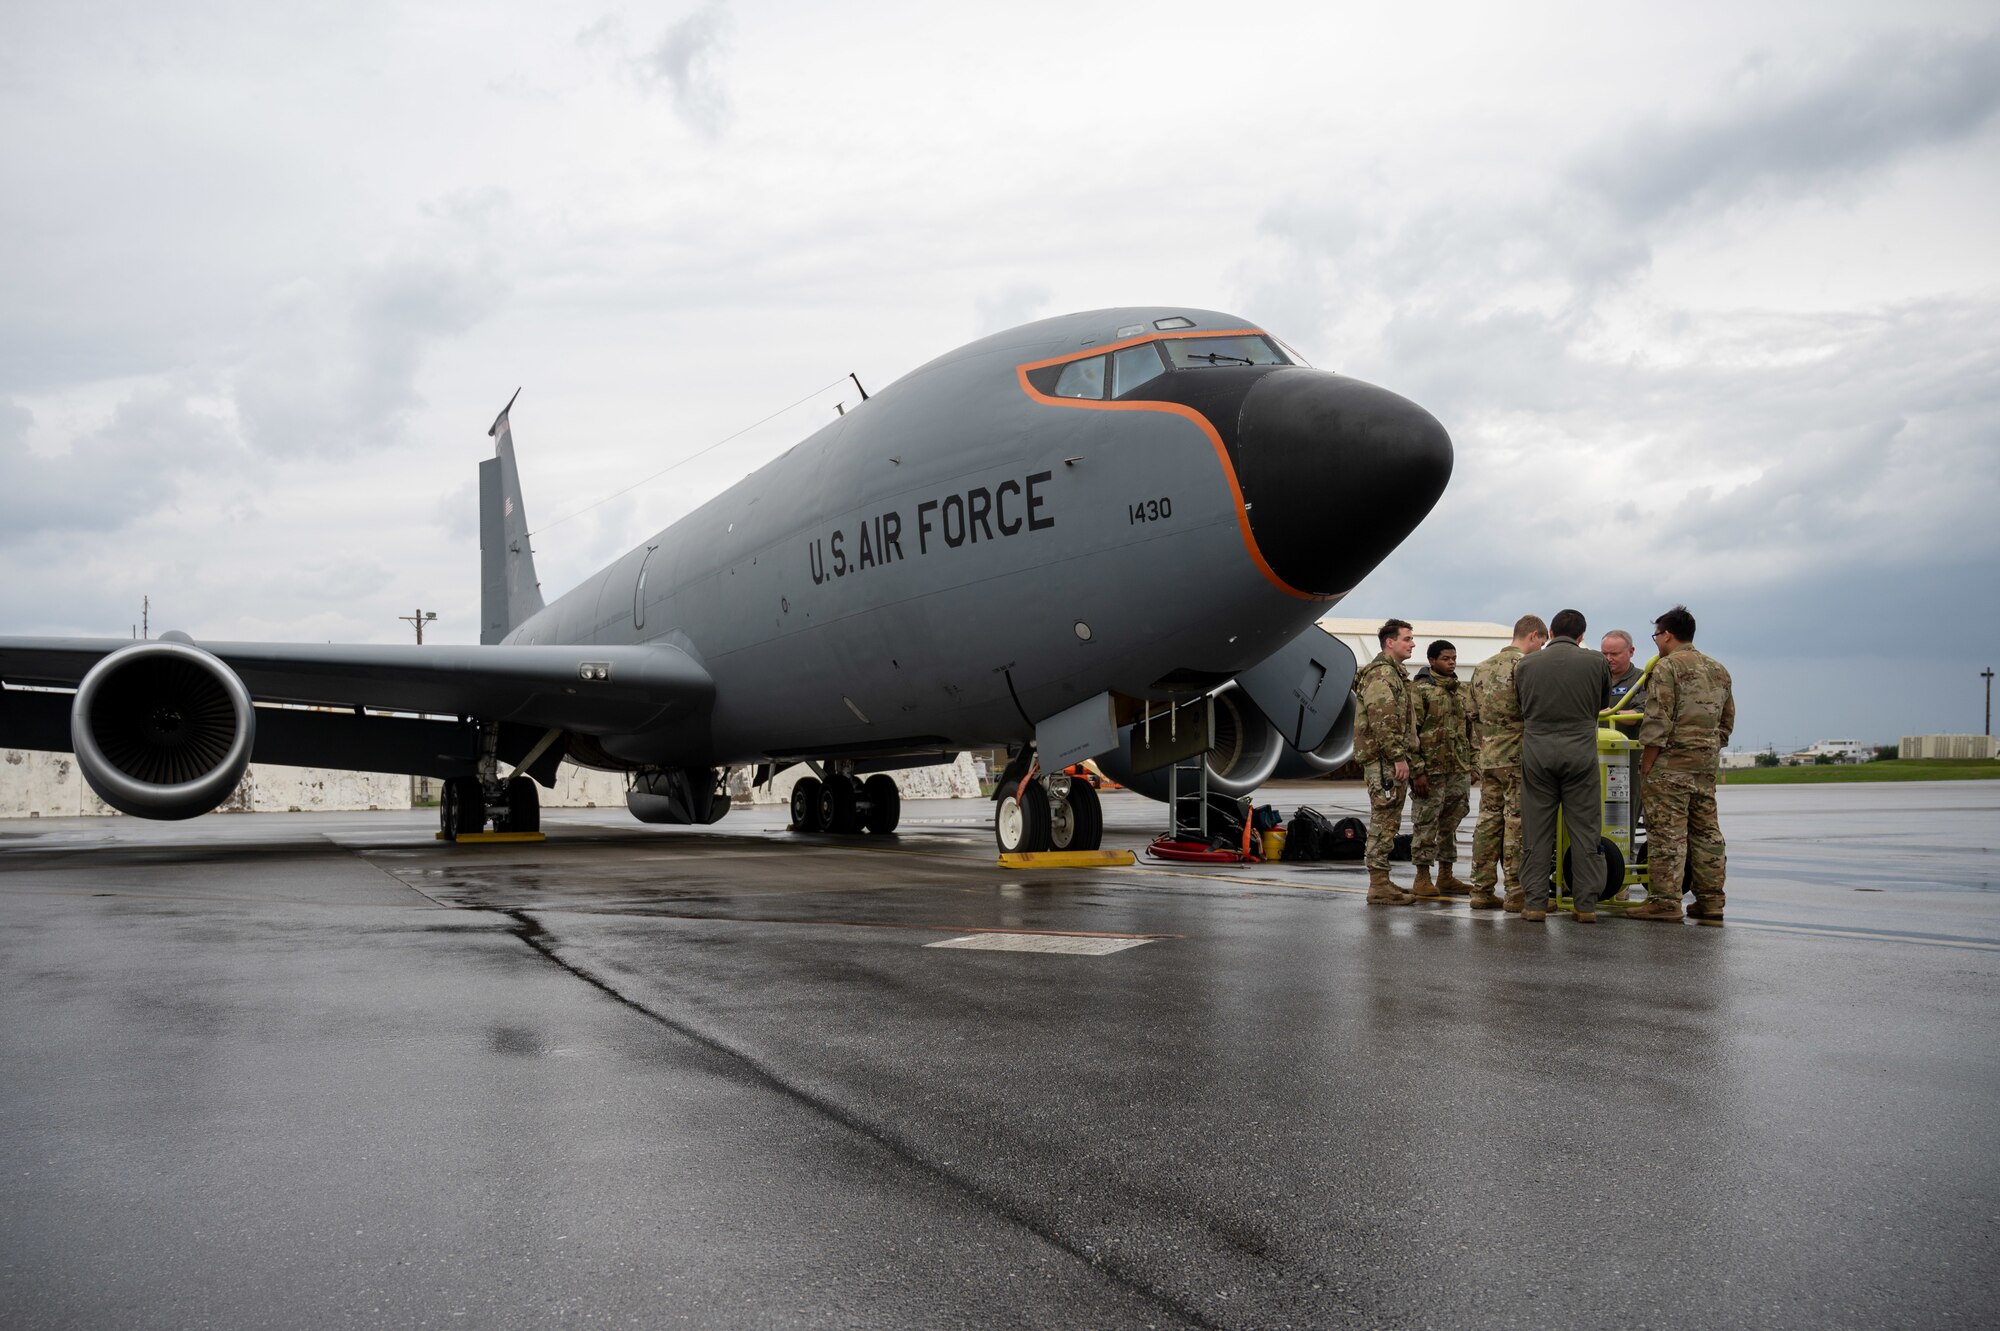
[1690, 712]
[1497, 834]
[1385, 744]
[1444, 742]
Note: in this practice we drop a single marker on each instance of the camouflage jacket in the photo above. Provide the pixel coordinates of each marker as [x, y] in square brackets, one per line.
[1497, 709]
[1444, 725]
[1690, 711]
[1385, 714]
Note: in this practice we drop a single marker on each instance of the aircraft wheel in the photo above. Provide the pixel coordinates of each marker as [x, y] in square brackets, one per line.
[1022, 826]
[838, 806]
[1076, 818]
[805, 804]
[524, 806]
[461, 807]
[884, 803]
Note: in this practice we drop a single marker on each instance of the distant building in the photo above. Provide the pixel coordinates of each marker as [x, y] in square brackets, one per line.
[1475, 640]
[1733, 758]
[1840, 750]
[1948, 746]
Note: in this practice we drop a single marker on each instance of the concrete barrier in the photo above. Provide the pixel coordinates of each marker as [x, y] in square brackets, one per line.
[48, 785]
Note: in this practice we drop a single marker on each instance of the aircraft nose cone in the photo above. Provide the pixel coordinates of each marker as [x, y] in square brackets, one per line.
[1336, 472]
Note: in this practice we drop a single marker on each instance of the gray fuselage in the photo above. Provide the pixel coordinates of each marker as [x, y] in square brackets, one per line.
[970, 551]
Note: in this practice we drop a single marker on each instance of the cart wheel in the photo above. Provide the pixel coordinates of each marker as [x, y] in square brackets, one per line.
[1614, 869]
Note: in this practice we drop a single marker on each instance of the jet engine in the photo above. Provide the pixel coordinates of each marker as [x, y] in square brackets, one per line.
[1244, 750]
[162, 729]
[1334, 753]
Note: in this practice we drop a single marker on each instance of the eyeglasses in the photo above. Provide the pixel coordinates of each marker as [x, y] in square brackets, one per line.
[1659, 634]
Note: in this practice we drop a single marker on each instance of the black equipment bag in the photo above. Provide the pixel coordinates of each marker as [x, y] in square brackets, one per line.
[1345, 840]
[1305, 836]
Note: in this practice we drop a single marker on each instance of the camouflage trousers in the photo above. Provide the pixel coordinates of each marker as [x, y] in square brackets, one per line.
[1436, 817]
[1497, 834]
[1682, 834]
[1385, 812]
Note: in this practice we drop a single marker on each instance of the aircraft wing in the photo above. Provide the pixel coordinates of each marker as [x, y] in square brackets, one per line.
[592, 690]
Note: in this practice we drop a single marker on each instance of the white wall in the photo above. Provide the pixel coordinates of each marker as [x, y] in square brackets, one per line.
[48, 785]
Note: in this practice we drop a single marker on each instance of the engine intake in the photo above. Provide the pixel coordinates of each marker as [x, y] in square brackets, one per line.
[162, 730]
[1243, 751]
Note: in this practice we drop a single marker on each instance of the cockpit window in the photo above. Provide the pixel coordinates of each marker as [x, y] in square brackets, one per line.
[1202, 352]
[1082, 378]
[1134, 366]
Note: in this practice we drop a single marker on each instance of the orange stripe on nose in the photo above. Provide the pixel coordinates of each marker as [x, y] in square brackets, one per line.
[1200, 422]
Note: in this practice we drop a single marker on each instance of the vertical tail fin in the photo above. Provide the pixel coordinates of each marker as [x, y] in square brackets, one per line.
[508, 590]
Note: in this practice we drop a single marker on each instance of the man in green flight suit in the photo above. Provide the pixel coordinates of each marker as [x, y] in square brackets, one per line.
[1561, 689]
[1444, 741]
[1385, 744]
[1496, 837]
[1690, 713]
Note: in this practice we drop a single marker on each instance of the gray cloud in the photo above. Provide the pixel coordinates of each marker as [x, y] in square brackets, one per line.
[688, 61]
[1803, 479]
[1786, 128]
[335, 367]
[1013, 304]
[134, 464]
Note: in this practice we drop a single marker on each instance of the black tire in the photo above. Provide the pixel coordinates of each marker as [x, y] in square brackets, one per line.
[1076, 818]
[1024, 827]
[884, 804]
[805, 804]
[524, 806]
[839, 806]
[1614, 869]
[462, 807]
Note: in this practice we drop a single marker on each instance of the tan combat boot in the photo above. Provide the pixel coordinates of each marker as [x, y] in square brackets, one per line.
[1514, 900]
[1423, 887]
[1382, 892]
[1706, 910]
[1450, 884]
[1533, 916]
[1484, 898]
[1656, 908]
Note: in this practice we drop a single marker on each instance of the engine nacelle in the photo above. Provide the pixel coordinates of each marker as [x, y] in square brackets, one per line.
[1336, 752]
[162, 730]
[1243, 751]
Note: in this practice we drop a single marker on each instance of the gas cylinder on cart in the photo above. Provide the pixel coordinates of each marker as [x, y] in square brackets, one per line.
[1615, 774]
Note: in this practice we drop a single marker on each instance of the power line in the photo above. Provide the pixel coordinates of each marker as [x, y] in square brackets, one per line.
[690, 457]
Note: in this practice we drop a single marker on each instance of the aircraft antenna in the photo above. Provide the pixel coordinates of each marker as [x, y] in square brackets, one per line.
[598, 503]
[857, 384]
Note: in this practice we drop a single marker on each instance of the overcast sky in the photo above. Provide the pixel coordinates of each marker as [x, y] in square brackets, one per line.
[1708, 296]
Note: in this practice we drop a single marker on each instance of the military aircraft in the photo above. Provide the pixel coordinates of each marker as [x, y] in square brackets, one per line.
[1047, 540]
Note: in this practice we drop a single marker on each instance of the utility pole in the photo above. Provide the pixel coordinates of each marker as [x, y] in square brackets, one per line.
[420, 786]
[421, 618]
[1987, 675]
[146, 617]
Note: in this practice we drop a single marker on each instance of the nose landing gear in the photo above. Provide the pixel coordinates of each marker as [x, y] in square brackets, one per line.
[1048, 812]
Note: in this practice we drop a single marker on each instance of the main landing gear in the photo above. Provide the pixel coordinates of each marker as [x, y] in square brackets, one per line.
[1048, 813]
[845, 803]
[468, 803]
[466, 807]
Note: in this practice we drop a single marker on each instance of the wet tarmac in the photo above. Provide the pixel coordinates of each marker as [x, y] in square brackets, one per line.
[320, 1070]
